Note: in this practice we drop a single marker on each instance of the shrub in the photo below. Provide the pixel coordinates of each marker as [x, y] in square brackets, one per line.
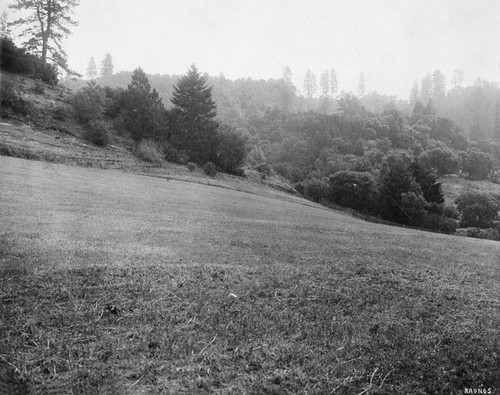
[174, 155]
[283, 169]
[88, 103]
[490, 233]
[450, 212]
[352, 189]
[114, 101]
[191, 166]
[209, 169]
[10, 100]
[264, 169]
[477, 210]
[231, 150]
[148, 151]
[38, 89]
[97, 133]
[60, 113]
[315, 189]
[438, 222]
[16, 60]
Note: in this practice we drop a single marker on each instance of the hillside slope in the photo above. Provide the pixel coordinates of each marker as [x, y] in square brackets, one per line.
[120, 283]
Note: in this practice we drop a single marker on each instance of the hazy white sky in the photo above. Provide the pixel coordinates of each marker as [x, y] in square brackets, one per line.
[393, 42]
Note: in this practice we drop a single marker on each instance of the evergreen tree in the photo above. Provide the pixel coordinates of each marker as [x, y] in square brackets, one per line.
[361, 85]
[310, 84]
[428, 181]
[414, 95]
[333, 82]
[46, 24]
[438, 86]
[324, 83]
[287, 89]
[396, 180]
[91, 69]
[457, 78]
[426, 89]
[143, 109]
[194, 117]
[107, 66]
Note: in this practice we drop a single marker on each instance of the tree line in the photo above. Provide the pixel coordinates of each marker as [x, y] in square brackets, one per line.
[187, 132]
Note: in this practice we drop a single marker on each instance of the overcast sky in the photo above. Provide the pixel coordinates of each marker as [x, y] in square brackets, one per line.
[393, 42]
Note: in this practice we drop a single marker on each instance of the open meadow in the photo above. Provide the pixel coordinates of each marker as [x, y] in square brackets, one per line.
[125, 284]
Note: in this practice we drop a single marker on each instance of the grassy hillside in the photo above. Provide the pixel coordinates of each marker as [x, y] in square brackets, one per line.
[119, 283]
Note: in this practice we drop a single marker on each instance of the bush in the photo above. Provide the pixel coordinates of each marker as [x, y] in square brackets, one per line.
[97, 133]
[88, 103]
[60, 113]
[38, 89]
[15, 60]
[148, 151]
[314, 189]
[191, 166]
[450, 212]
[283, 169]
[437, 222]
[490, 233]
[231, 150]
[9, 100]
[352, 189]
[477, 210]
[264, 169]
[209, 169]
[174, 155]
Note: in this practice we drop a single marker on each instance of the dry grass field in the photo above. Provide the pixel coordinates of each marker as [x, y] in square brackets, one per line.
[117, 283]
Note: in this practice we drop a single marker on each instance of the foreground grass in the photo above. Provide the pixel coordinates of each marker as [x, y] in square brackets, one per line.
[114, 283]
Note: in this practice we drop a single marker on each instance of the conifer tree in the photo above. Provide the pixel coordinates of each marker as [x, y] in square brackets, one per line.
[333, 82]
[310, 84]
[107, 66]
[361, 85]
[194, 117]
[92, 69]
[46, 23]
[143, 109]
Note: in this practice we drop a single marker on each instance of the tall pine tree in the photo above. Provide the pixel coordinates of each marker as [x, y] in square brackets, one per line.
[194, 124]
[143, 109]
[107, 66]
[45, 23]
[92, 69]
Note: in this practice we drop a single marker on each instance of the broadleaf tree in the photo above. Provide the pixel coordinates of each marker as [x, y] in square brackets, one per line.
[46, 24]
[194, 123]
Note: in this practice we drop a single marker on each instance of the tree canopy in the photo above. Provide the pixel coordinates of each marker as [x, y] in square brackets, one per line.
[48, 22]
